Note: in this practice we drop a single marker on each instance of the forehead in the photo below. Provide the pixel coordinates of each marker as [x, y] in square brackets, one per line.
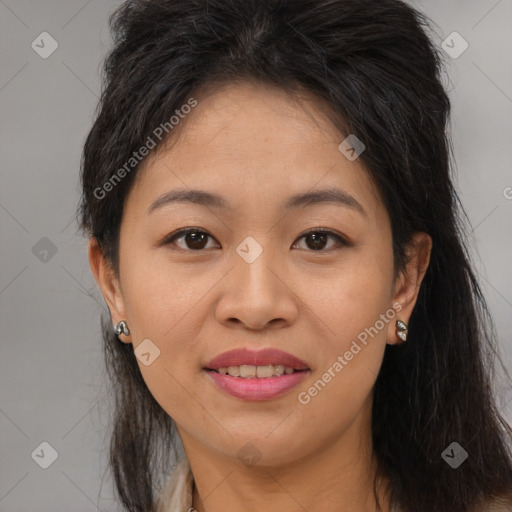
[256, 143]
[252, 117]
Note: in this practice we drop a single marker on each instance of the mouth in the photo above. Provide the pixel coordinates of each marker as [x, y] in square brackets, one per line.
[248, 363]
[248, 371]
[257, 375]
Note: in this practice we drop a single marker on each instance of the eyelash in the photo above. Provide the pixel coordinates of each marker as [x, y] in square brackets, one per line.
[185, 231]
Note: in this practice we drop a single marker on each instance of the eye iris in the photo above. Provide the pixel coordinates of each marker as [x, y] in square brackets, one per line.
[196, 240]
[317, 239]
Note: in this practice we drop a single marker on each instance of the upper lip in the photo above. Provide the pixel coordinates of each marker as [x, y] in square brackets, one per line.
[245, 356]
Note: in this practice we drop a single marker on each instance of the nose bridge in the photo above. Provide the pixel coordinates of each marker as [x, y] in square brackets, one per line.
[254, 263]
[255, 293]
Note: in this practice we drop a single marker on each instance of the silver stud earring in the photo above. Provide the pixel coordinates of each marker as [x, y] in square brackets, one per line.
[401, 330]
[122, 328]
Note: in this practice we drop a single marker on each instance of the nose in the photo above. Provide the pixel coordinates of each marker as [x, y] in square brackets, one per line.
[257, 295]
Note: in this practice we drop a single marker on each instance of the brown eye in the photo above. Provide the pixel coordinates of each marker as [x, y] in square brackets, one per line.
[193, 239]
[316, 240]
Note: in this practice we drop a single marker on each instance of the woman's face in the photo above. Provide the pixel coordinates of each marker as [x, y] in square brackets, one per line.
[255, 280]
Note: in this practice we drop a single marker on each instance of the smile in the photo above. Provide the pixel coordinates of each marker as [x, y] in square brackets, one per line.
[247, 370]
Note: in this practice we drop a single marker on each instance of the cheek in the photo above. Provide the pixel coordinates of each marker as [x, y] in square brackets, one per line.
[357, 311]
[158, 295]
[351, 361]
[357, 293]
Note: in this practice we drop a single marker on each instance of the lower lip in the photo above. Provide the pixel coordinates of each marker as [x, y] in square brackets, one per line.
[258, 388]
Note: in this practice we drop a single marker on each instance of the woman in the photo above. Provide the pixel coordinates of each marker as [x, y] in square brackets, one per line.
[275, 231]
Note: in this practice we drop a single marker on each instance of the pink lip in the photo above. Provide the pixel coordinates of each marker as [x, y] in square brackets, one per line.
[255, 388]
[262, 357]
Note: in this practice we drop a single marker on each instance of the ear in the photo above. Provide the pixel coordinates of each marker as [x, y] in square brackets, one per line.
[407, 284]
[109, 285]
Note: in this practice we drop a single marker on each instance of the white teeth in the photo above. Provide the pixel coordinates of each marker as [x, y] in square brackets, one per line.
[234, 371]
[265, 371]
[248, 370]
[279, 369]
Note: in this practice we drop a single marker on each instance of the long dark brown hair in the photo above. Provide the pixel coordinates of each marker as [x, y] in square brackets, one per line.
[374, 65]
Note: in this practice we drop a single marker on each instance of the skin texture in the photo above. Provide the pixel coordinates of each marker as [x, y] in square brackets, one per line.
[256, 146]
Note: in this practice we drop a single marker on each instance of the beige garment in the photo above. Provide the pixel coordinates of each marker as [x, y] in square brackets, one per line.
[177, 494]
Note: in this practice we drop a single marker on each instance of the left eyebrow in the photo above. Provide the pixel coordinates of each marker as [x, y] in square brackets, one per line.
[330, 195]
[205, 198]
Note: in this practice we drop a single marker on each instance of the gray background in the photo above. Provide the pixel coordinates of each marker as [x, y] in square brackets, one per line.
[52, 386]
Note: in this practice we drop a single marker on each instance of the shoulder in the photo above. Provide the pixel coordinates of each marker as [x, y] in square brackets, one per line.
[177, 493]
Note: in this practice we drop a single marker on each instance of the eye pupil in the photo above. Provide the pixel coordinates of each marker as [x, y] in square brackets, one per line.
[317, 238]
[196, 240]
